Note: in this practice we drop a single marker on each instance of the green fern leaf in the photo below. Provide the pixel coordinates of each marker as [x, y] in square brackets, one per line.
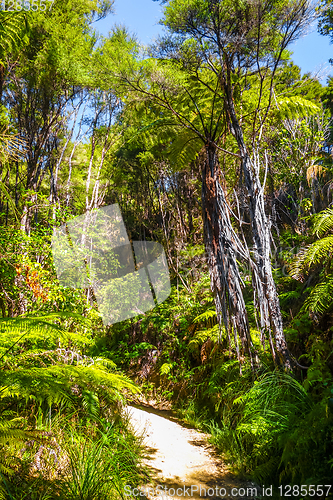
[205, 316]
[295, 107]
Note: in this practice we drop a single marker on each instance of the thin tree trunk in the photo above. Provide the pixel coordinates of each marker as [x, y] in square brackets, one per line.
[166, 236]
[226, 283]
[24, 218]
[267, 296]
[77, 141]
[16, 183]
[95, 200]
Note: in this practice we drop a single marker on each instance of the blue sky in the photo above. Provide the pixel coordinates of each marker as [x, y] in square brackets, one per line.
[141, 17]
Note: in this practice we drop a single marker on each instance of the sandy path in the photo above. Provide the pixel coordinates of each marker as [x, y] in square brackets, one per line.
[181, 460]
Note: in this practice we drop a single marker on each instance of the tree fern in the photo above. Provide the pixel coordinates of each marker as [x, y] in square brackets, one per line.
[295, 107]
[317, 254]
[201, 336]
[12, 32]
[184, 127]
[65, 379]
[206, 316]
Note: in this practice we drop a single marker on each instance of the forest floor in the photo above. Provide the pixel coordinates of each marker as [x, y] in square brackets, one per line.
[180, 459]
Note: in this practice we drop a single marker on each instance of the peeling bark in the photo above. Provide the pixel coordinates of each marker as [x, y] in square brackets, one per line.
[226, 283]
[264, 286]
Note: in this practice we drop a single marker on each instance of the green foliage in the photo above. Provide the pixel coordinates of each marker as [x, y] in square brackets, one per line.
[315, 254]
[61, 41]
[272, 416]
[42, 385]
[166, 368]
[320, 298]
[296, 107]
[201, 336]
[299, 158]
[99, 466]
[13, 33]
[206, 316]
[61, 394]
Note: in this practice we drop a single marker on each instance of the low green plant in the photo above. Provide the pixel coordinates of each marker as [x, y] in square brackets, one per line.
[99, 466]
[316, 258]
[277, 432]
[40, 389]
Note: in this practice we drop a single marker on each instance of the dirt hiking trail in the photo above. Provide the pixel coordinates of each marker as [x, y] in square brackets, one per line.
[180, 459]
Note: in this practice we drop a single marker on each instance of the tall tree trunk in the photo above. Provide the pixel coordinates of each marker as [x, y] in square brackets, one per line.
[2, 80]
[226, 283]
[268, 300]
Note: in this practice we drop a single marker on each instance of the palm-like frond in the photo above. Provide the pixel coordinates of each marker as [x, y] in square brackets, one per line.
[205, 316]
[323, 222]
[318, 253]
[184, 149]
[295, 107]
[320, 299]
[12, 29]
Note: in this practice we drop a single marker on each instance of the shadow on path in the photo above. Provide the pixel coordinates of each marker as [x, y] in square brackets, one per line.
[180, 462]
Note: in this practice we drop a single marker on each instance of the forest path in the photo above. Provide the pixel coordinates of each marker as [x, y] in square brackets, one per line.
[181, 460]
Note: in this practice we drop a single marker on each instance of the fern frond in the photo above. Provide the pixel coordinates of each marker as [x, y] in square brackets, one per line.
[295, 107]
[38, 332]
[201, 336]
[205, 316]
[90, 403]
[288, 297]
[318, 252]
[320, 299]
[184, 149]
[54, 384]
[323, 222]
[166, 368]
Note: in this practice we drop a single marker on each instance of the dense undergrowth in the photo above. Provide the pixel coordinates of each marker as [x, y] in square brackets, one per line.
[63, 430]
[271, 426]
[62, 426]
[211, 140]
